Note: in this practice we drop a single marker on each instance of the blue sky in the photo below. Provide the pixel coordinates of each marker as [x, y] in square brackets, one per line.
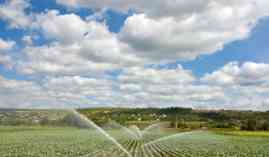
[117, 45]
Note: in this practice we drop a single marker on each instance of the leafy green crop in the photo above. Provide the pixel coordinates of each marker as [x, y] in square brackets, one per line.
[71, 142]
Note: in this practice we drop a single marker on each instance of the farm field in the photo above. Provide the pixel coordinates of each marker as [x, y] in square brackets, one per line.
[73, 142]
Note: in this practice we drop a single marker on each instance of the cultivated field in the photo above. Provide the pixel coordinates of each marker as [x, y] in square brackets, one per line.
[72, 142]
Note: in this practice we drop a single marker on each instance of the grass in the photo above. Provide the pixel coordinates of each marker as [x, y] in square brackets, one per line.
[72, 142]
[246, 133]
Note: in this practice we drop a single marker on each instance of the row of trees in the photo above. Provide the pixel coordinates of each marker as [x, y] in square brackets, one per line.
[254, 124]
[248, 125]
[178, 118]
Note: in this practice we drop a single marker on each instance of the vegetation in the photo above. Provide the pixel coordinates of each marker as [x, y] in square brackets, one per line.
[183, 118]
[41, 142]
[58, 133]
[32, 117]
[244, 133]
[72, 142]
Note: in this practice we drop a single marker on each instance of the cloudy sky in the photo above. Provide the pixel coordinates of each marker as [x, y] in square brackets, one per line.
[205, 54]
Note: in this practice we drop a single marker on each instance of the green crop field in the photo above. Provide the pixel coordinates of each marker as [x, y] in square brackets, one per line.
[72, 142]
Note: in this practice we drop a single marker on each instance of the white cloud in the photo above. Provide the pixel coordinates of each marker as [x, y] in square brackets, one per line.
[6, 45]
[6, 61]
[171, 38]
[13, 11]
[169, 30]
[72, 64]
[246, 86]
[136, 87]
[161, 8]
[22, 94]
[249, 73]
[164, 87]
[181, 31]
[58, 60]
[98, 5]
[68, 28]
[156, 76]
[66, 92]
[178, 87]
[80, 86]
[78, 47]
[28, 40]
[158, 8]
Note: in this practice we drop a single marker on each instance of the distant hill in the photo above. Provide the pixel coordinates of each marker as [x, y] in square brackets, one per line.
[185, 118]
[181, 117]
[31, 117]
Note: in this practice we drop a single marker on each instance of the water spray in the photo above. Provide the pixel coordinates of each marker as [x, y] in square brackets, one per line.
[102, 132]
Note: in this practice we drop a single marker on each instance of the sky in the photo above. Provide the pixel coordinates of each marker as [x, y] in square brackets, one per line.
[203, 54]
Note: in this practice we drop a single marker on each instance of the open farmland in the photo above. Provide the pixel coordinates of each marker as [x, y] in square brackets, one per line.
[73, 142]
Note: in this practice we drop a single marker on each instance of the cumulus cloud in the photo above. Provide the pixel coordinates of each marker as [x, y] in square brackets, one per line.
[162, 31]
[5, 47]
[79, 86]
[137, 87]
[167, 31]
[21, 94]
[156, 76]
[98, 5]
[246, 85]
[6, 61]
[66, 92]
[58, 60]
[67, 28]
[77, 47]
[186, 37]
[182, 30]
[13, 11]
[28, 40]
[165, 87]
[249, 73]
[161, 8]
[76, 54]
